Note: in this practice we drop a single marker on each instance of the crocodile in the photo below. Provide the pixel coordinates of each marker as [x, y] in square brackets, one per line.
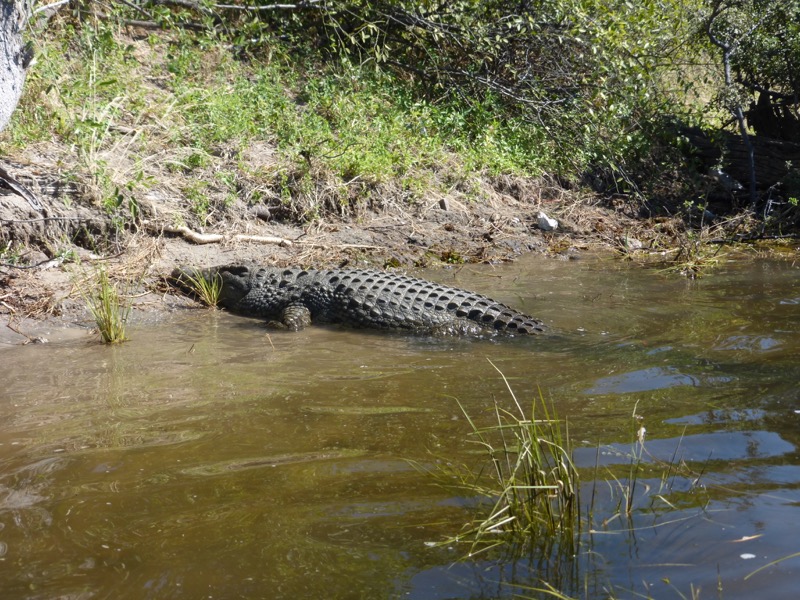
[292, 298]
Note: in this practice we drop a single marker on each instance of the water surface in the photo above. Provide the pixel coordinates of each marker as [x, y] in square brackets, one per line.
[209, 457]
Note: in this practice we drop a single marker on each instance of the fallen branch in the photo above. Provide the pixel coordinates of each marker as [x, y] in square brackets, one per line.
[216, 238]
[50, 262]
[307, 4]
[38, 219]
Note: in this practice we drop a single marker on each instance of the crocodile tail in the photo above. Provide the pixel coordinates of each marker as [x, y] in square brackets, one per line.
[507, 320]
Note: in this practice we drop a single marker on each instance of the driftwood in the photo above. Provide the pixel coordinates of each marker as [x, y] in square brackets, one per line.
[197, 237]
[216, 238]
[773, 158]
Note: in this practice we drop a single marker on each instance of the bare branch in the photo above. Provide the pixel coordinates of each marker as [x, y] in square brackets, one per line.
[306, 4]
[49, 7]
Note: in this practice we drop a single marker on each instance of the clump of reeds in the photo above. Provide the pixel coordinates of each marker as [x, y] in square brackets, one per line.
[206, 289]
[109, 305]
[532, 481]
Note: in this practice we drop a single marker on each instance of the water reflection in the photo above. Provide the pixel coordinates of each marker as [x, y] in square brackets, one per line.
[652, 378]
[723, 445]
[210, 457]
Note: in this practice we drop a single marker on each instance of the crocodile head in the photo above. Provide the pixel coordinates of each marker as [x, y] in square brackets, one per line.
[235, 283]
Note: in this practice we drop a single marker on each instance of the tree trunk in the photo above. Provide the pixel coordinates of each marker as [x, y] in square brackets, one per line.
[15, 57]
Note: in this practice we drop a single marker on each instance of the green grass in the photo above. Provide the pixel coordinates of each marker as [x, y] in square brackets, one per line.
[205, 289]
[530, 482]
[340, 132]
[109, 305]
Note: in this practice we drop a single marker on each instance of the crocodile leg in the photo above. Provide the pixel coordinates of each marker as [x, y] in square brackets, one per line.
[296, 317]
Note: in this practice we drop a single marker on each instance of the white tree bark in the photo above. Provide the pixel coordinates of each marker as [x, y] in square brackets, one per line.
[15, 56]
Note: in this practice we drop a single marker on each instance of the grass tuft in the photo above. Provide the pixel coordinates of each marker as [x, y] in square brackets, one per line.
[531, 482]
[109, 306]
[207, 290]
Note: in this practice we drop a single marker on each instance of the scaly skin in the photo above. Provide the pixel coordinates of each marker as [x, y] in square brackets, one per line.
[295, 297]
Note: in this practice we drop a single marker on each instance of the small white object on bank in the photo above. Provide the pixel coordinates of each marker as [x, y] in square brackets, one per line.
[546, 223]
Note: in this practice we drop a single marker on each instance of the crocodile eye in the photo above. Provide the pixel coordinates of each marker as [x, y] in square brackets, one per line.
[238, 270]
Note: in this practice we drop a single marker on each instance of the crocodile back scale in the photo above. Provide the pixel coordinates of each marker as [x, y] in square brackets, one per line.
[294, 298]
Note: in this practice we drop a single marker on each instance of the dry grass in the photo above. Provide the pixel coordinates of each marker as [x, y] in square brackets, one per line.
[25, 296]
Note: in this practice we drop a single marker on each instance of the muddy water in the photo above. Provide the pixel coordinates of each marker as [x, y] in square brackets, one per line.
[210, 458]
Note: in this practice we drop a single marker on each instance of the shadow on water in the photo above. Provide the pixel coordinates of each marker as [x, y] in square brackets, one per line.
[210, 457]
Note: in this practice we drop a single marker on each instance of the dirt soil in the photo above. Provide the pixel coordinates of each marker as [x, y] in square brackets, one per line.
[53, 241]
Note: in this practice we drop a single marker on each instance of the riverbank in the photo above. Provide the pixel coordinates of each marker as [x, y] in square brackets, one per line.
[41, 297]
[140, 152]
[40, 288]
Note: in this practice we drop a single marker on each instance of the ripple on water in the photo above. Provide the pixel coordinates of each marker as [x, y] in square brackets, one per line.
[719, 416]
[749, 343]
[364, 410]
[242, 464]
[724, 445]
[653, 378]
